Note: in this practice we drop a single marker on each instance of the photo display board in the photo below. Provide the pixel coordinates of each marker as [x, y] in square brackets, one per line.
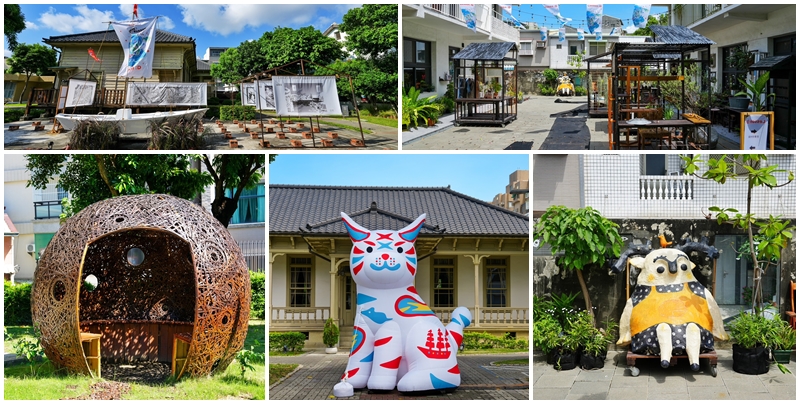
[306, 95]
[81, 92]
[192, 94]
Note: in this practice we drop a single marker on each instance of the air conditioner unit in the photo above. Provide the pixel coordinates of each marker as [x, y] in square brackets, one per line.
[30, 248]
[541, 44]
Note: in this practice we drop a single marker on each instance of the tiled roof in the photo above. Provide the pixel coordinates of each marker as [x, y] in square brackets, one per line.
[676, 34]
[202, 65]
[111, 36]
[316, 209]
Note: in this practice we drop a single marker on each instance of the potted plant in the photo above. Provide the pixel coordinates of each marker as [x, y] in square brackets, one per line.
[566, 354]
[546, 335]
[594, 341]
[752, 335]
[416, 109]
[784, 338]
[497, 87]
[330, 336]
[754, 91]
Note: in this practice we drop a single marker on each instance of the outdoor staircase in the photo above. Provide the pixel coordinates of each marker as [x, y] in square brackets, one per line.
[345, 338]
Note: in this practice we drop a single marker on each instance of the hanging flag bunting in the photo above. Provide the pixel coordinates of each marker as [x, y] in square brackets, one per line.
[135, 11]
[562, 33]
[94, 56]
[543, 31]
[468, 10]
[138, 39]
[580, 34]
[598, 36]
[507, 9]
[553, 9]
[640, 14]
[594, 17]
[613, 31]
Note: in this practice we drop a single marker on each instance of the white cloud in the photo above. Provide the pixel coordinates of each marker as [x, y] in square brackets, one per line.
[86, 20]
[165, 23]
[31, 25]
[630, 28]
[228, 19]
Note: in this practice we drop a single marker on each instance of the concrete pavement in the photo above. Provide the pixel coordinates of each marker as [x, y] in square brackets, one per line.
[614, 381]
[480, 379]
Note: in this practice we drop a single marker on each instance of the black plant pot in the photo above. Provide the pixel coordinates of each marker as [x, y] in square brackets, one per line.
[551, 356]
[565, 361]
[750, 361]
[592, 361]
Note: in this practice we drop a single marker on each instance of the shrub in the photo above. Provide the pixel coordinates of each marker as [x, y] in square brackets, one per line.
[94, 135]
[257, 294]
[484, 340]
[446, 105]
[545, 89]
[330, 335]
[36, 112]
[17, 304]
[12, 114]
[212, 101]
[181, 135]
[213, 112]
[237, 112]
[580, 90]
[292, 341]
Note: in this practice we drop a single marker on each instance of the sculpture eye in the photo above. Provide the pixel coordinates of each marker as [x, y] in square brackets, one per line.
[369, 249]
[684, 267]
[660, 270]
[400, 249]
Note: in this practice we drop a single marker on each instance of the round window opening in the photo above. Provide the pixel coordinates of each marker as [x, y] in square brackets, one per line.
[90, 283]
[135, 256]
[59, 291]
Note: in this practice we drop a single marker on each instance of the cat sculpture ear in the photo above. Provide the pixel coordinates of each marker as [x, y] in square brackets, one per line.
[410, 232]
[357, 233]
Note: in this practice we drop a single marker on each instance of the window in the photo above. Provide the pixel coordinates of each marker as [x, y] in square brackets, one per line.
[417, 64]
[525, 47]
[735, 60]
[496, 282]
[9, 87]
[251, 205]
[47, 202]
[575, 48]
[596, 48]
[452, 51]
[558, 46]
[444, 283]
[300, 281]
[215, 53]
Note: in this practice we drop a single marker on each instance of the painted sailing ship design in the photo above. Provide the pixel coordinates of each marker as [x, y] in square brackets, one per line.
[438, 350]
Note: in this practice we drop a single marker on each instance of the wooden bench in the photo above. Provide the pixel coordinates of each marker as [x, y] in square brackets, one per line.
[91, 350]
[180, 351]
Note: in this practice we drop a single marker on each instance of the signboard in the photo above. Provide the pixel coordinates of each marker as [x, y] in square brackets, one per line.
[306, 95]
[757, 130]
[262, 90]
[166, 94]
[81, 92]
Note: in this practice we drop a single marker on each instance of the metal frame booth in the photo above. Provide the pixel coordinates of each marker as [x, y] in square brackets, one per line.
[484, 64]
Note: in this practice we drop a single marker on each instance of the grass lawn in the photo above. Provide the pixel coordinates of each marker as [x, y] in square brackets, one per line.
[490, 351]
[14, 105]
[343, 126]
[15, 332]
[289, 353]
[46, 383]
[513, 362]
[278, 370]
[392, 123]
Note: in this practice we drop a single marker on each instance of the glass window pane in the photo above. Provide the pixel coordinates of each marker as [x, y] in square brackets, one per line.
[421, 52]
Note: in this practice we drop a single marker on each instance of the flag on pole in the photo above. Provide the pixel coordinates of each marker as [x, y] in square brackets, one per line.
[138, 39]
[94, 56]
[135, 11]
[580, 34]
[594, 17]
[468, 10]
[640, 14]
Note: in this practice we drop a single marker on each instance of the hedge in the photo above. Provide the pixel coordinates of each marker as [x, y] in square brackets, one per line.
[293, 341]
[12, 114]
[17, 304]
[213, 112]
[257, 295]
[484, 340]
[238, 112]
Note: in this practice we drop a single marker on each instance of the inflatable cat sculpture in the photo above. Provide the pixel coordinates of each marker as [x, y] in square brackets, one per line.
[397, 339]
[669, 312]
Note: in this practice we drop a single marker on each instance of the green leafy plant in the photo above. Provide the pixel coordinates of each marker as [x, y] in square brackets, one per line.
[30, 348]
[754, 89]
[416, 110]
[330, 334]
[17, 303]
[585, 237]
[546, 333]
[751, 330]
[783, 337]
[237, 112]
[247, 357]
[286, 341]
[94, 135]
[484, 340]
[257, 295]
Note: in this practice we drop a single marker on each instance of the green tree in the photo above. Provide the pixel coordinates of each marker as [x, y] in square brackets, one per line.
[583, 235]
[285, 45]
[663, 19]
[13, 24]
[370, 81]
[371, 29]
[766, 237]
[31, 59]
[90, 178]
[239, 62]
[227, 70]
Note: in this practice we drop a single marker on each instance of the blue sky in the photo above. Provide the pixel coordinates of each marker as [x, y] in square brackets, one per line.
[209, 24]
[480, 176]
[538, 14]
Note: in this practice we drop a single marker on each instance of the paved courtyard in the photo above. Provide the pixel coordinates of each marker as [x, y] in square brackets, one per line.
[480, 379]
[614, 381]
[542, 124]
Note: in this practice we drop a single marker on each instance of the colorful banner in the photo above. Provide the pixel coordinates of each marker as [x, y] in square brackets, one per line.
[594, 17]
[94, 56]
[598, 36]
[640, 14]
[580, 34]
[306, 95]
[506, 8]
[553, 9]
[562, 33]
[468, 10]
[81, 92]
[166, 94]
[613, 31]
[543, 32]
[138, 39]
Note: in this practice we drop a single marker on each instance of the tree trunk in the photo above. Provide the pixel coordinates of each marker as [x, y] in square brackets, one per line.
[585, 291]
[22, 94]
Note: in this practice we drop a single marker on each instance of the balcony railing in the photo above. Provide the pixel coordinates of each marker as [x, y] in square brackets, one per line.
[491, 316]
[450, 10]
[47, 209]
[309, 317]
[709, 9]
[666, 187]
[527, 51]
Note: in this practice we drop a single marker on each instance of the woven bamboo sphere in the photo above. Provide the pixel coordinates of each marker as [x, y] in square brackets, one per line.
[158, 261]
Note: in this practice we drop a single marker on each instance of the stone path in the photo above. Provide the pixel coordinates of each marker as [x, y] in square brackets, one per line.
[614, 381]
[480, 379]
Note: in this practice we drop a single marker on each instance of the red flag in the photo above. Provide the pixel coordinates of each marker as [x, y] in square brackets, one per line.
[93, 55]
[135, 11]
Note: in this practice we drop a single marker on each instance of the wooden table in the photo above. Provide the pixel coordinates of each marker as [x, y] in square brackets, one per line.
[500, 112]
[700, 121]
[732, 116]
[662, 123]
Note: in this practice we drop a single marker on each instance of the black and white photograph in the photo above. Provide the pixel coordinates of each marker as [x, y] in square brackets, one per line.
[306, 96]
[261, 89]
[167, 94]
[81, 92]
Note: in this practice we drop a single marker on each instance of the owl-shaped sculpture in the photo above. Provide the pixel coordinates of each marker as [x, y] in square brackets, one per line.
[669, 312]
[397, 339]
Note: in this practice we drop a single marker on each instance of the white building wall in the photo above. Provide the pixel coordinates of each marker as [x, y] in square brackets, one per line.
[519, 281]
[614, 187]
[280, 272]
